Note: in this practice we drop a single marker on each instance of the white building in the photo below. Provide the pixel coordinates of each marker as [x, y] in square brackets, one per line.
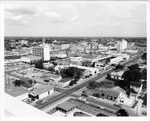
[115, 60]
[61, 55]
[121, 45]
[46, 52]
[92, 70]
[64, 82]
[23, 42]
[116, 75]
[131, 51]
[47, 65]
[42, 91]
[30, 58]
[76, 59]
[125, 56]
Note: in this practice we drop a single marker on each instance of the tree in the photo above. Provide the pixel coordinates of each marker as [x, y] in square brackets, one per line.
[123, 84]
[86, 63]
[54, 63]
[145, 100]
[122, 112]
[39, 64]
[18, 82]
[71, 72]
[108, 76]
[144, 74]
[119, 66]
[92, 85]
[96, 94]
[133, 74]
[107, 60]
[34, 82]
[30, 81]
[134, 67]
[46, 80]
[144, 56]
[51, 69]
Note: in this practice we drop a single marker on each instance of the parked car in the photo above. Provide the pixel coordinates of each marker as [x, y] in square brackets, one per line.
[39, 101]
[43, 102]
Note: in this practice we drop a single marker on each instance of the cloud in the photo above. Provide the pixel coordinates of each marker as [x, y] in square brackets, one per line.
[74, 18]
[53, 14]
[20, 15]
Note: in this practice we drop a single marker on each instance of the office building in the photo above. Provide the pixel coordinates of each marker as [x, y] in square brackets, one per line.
[42, 51]
[121, 45]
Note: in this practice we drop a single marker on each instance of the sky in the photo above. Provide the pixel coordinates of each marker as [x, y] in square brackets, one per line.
[52, 18]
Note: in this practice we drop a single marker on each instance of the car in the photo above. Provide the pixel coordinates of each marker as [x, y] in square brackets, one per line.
[139, 97]
[39, 101]
[43, 102]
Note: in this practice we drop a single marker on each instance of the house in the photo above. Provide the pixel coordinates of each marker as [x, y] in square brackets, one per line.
[92, 70]
[116, 75]
[65, 107]
[136, 88]
[64, 82]
[115, 93]
[41, 92]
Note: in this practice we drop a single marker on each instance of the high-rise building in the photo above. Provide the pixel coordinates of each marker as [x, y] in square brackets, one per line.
[38, 51]
[46, 52]
[121, 45]
[42, 51]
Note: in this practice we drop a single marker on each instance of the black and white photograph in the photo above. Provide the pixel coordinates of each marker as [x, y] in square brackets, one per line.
[74, 59]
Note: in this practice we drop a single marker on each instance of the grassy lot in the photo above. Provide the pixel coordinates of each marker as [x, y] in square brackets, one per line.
[106, 84]
[15, 91]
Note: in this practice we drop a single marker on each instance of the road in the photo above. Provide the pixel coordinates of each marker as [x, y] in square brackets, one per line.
[68, 92]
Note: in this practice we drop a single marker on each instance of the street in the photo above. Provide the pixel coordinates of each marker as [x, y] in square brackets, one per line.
[68, 92]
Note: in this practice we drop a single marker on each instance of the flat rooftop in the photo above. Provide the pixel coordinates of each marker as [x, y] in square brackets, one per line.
[32, 57]
[43, 88]
[51, 75]
[65, 80]
[66, 106]
[15, 91]
[12, 57]
[120, 73]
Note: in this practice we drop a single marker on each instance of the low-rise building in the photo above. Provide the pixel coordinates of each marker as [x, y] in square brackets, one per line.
[125, 56]
[76, 59]
[115, 60]
[30, 58]
[61, 46]
[54, 77]
[64, 82]
[65, 107]
[41, 92]
[116, 75]
[92, 70]
[115, 93]
[13, 58]
[137, 88]
[47, 65]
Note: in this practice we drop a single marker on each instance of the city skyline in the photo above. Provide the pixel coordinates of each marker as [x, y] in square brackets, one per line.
[75, 19]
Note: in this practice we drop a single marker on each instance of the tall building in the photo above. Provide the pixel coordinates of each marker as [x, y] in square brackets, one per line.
[38, 51]
[121, 45]
[42, 51]
[46, 52]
